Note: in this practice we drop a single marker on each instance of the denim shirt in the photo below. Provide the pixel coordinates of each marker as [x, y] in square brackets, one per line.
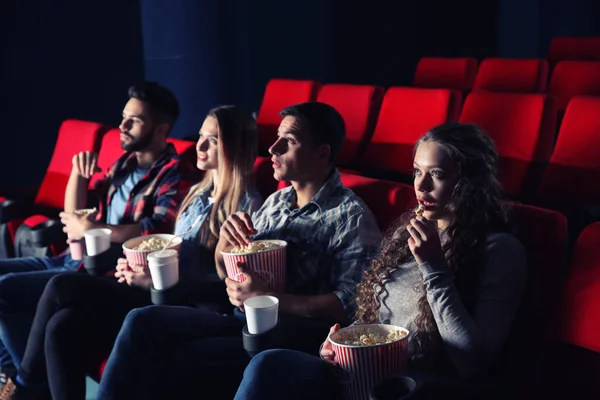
[197, 254]
[331, 240]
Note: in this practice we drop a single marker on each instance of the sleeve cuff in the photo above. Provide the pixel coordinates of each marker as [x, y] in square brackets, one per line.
[436, 265]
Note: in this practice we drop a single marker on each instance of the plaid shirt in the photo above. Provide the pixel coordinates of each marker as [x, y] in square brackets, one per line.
[331, 240]
[155, 199]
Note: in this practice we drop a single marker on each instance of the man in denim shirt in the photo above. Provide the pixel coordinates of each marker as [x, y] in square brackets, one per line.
[332, 237]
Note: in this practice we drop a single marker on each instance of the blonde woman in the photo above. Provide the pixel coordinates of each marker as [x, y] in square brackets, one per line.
[80, 315]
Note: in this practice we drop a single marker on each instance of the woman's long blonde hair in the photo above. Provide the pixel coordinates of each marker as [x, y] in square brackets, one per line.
[237, 137]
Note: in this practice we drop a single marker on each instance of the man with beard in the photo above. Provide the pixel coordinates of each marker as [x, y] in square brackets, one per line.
[139, 195]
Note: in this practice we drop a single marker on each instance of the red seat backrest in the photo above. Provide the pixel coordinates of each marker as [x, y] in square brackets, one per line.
[446, 73]
[574, 78]
[266, 184]
[74, 136]
[572, 174]
[544, 236]
[359, 106]
[574, 48]
[512, 75]
[578, 317]
[523, 126]
[406, 115]
[280, 93]
[387, 200]
[109, 153]
[185, 148]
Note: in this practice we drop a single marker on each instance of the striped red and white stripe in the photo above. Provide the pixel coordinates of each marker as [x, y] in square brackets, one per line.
[270, 266]
[369, 365]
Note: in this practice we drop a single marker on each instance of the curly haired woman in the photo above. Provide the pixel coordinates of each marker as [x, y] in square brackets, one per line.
[451, 273]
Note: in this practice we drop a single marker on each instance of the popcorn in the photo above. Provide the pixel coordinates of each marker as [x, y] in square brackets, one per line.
[84, 211]
[151, 244]
[373, 339]
[420, 210]
[255, 247]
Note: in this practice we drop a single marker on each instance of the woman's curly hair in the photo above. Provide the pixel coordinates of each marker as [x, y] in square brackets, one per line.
[477, 211]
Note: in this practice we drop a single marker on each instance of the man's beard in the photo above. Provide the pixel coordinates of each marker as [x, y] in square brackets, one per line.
[137, 144]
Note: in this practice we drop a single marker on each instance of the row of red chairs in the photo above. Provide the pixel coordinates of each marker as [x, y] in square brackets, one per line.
[74, 136]
[537, 165]
[568, 79]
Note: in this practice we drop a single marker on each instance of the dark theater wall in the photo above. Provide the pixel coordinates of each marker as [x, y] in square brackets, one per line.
[61, 59]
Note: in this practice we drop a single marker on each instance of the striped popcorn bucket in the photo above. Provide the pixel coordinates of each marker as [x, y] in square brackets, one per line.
[268, 265]
[138, 257]
[367, 366]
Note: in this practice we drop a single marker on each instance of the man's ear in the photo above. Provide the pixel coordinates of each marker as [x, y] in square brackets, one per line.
[162, 129]
[324, 152]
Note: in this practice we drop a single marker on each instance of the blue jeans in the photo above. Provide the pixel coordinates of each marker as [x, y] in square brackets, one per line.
[288, 374]
[170, 352]
[22, 281]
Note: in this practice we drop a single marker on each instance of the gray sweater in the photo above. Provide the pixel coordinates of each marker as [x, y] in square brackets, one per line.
[472, 341]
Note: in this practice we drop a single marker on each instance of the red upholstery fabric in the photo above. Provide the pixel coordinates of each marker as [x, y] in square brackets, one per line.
[109, 153]
[406, 115]
[523, 126]
[578, 318]
[35, 220]
[574, 78]
[280, 93]
[446, 73]
[263, 172]
[359, 106]
[574, 48]
[512, 75]
[74, 136]
[572, 175]
[185, 148]
[387, 200]
[544, 234]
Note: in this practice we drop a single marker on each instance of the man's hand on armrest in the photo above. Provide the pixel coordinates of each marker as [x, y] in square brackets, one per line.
[324, 306]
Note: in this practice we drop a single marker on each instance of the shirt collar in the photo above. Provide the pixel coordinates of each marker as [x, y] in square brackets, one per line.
[332, 183]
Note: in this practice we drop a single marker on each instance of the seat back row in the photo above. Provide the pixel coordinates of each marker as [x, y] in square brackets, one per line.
[522, 125]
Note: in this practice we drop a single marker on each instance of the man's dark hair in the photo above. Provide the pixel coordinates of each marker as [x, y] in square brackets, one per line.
[163, 103]
[325, 124]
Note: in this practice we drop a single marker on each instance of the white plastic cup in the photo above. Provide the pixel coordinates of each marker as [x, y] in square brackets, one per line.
[97, 241]
[164, 268]
[261, 313]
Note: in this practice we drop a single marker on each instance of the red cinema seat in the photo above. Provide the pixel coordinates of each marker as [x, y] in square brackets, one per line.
[578, 320]
[544, 236]
[446, 73]
[574, 78]
[523, 126]
[576, 324]
[109, 153]
[280, 93]
[570, 178]
[74, 136]
[387, 200]
[359, 106]
[574, 48]
[406, 115]
[512, 75]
